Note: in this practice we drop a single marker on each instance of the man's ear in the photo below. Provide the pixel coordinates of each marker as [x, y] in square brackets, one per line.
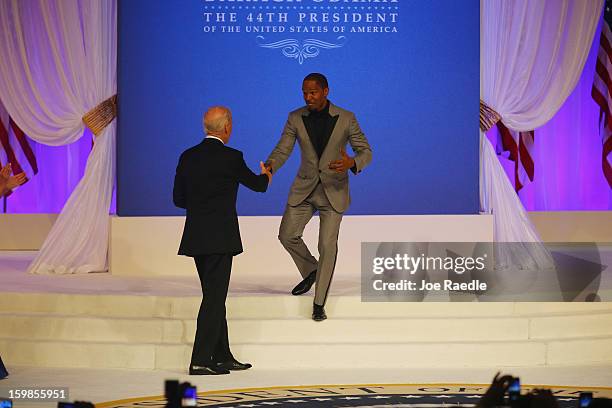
[326, 92]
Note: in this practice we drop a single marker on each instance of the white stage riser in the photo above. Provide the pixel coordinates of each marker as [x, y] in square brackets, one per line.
[278, 307]
[28, 231]
[316, 356]
[301, 329]
[147, 246]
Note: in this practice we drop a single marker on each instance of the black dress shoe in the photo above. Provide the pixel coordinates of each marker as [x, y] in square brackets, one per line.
[206, 370]
[305, 285]
[233, 365]
[318, 313]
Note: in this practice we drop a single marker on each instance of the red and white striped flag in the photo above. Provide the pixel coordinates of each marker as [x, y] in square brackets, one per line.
[15, 147]
[602, 88]
[520, 146]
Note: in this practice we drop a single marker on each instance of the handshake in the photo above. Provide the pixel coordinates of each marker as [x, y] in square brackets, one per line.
[345, 163]
[267, 170]
[8, 182]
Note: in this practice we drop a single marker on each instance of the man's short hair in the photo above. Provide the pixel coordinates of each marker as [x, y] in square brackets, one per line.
[217, 124]
[319, 78]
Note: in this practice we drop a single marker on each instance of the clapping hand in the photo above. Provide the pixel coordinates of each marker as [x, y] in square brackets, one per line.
[16, 180]
[5, 173]
[342, 165]
[8, 182]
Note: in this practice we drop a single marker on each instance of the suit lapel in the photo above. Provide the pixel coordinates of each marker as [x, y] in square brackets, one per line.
[302, 129]
[328, 153]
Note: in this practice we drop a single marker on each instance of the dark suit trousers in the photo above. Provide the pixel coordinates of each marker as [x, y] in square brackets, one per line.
[3, 372]
[211, 341]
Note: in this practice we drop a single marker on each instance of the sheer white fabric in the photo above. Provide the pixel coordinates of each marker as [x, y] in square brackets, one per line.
[532, 55]
[511, 222]
[58, 62]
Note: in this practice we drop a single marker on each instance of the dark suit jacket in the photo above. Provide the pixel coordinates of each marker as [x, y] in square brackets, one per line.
[206, 185]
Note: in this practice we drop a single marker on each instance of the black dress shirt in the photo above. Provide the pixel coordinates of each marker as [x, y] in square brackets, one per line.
[320, 125]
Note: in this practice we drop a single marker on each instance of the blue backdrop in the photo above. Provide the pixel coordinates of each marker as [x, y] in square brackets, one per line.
[409, 69]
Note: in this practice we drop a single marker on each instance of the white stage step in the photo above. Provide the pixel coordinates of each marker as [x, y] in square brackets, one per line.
[155, 332]
[278, 331]
[592, 351]
[303, 330]
[276, 306]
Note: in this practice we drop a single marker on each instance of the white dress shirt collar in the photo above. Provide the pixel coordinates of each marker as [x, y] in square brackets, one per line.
[214, 137]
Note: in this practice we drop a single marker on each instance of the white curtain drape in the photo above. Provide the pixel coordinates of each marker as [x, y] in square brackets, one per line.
[59, 62]
[531, 56]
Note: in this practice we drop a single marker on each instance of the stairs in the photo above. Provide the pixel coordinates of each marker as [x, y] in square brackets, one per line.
[276, 332]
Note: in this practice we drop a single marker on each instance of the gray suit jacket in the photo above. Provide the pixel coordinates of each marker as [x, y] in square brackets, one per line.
[312, 169]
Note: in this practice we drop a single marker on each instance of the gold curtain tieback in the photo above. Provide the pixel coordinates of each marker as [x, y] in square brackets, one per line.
[99, 117]
[488, 117]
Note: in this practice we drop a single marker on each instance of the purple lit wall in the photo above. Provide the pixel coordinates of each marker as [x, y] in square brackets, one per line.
[60, 170]
[567, 154]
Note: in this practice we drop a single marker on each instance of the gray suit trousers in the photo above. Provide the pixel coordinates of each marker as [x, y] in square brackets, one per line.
[292, 227]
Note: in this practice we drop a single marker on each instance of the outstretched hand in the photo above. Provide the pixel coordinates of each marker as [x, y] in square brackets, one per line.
[268, 165]
[341, 166]
[265, 170]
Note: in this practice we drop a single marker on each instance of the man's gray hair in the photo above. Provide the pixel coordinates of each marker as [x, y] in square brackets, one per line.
[215, 121]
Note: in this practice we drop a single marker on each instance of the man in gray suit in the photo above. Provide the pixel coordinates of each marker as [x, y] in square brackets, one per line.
[322, 130]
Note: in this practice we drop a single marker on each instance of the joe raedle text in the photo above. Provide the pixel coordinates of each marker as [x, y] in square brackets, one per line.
[421, 285]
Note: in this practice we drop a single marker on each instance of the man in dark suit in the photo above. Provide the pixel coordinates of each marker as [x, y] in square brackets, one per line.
[3, 372]
[206, 185]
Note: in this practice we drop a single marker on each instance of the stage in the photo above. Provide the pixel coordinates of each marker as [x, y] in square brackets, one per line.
[104, 321]
[117, 336]
[111, 338]
[465, 141]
